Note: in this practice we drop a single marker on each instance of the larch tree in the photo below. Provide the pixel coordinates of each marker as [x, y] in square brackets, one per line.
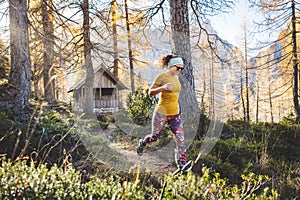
[48, 54]
[115, 38]
[20, 72]
[244, 71]
[129, 42]
[49, 49]
[88, 106]
[246, 76]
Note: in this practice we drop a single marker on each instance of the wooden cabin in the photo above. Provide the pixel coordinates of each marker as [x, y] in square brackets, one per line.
[106, 91]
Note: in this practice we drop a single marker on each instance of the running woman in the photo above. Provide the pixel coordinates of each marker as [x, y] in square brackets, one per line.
[167, 111]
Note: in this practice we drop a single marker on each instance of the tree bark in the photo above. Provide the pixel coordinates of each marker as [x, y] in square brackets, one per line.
[20, 72]
[129, 48]
[88, 106]
[48, 42]
[181, 37]
[271, 105]
[295, 64]
[257, 101]
[247, 79]
[115, 38]
[182, 47]
[242, 95]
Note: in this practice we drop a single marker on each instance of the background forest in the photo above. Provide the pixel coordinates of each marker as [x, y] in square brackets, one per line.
[241, 113]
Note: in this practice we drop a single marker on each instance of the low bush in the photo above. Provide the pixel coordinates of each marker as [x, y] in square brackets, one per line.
[270, 149]
[19, 180]
[210, 186]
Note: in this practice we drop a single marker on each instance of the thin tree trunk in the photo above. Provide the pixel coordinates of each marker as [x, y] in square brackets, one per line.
[115, 38]
[271, 105]
[129, 48]
[247, 81]
[212, 88]
[257, 100]
[295, 63]
[35, 81]
[20, 72]
[247, 96]
[48, 41]
[242, 95]
[88, 106]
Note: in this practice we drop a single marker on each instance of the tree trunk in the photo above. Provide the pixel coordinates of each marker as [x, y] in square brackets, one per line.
[115, 38]
[257, 100]
[181, 46]
[48, 42]
[129, 48]
[181, 37]
[20, 72]
[35, 81]
[247, 79]
[212, 88]
[271, 105]
[295, 63]
[242, 95]
[88, 106]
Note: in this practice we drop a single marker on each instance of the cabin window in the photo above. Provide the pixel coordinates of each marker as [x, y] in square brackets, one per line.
[97, 93]
[107, 92]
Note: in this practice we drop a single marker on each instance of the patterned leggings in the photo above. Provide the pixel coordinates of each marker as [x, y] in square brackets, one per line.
[174, 122]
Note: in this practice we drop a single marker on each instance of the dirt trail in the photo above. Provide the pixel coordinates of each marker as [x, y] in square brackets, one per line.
[146, 161]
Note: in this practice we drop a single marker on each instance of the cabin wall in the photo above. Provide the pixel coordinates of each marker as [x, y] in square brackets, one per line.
[102, 81]
[102, 102]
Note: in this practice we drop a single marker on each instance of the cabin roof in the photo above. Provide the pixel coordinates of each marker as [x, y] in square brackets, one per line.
[103, 70]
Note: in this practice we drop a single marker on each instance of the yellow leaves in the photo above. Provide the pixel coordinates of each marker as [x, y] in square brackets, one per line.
[35, 4]
[269, 5]
[138, 18]
[116, 18]
[264, 5]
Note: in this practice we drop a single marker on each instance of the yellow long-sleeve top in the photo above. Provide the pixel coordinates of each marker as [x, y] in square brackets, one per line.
[168, 100]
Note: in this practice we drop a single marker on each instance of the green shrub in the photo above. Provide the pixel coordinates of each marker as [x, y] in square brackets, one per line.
[270, 149]
[26, 181]
[210, 187]
[21, 181]
[139, 106]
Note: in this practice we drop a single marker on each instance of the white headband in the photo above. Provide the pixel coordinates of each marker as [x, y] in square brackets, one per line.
[175, 61]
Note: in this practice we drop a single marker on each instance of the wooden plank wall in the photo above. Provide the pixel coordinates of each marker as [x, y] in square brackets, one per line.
[101, 80]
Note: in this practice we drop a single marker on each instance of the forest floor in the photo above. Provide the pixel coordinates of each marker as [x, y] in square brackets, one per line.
[148, 161]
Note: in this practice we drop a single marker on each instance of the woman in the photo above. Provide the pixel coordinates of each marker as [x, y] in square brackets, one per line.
[167, 111]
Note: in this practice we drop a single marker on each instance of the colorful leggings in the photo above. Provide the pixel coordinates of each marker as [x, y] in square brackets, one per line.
[174, 122]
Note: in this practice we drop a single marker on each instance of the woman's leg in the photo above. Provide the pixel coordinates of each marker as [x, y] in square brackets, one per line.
[178, 133]
[158, 122]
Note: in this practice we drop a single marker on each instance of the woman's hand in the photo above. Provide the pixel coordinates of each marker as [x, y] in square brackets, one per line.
[168, 86]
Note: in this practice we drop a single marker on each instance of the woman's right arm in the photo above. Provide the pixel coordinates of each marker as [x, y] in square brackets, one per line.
[155, 89]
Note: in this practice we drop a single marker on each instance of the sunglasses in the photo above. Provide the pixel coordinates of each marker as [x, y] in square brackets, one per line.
[178, 68]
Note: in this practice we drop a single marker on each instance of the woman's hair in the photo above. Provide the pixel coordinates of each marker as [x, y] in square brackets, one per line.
[165, 60]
